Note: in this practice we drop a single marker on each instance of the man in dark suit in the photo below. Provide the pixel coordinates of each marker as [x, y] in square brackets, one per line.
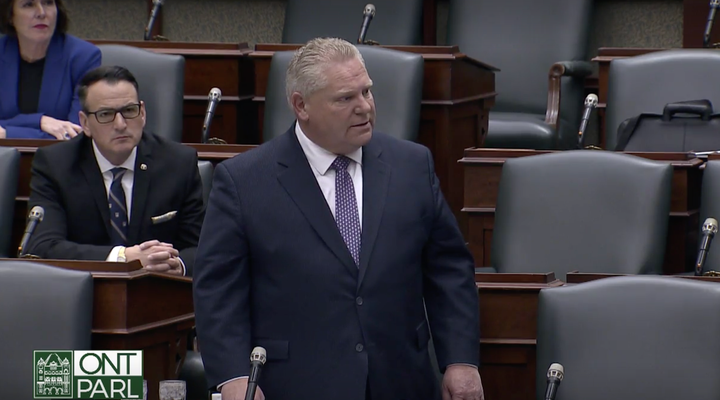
[325, 246]
[117, 193]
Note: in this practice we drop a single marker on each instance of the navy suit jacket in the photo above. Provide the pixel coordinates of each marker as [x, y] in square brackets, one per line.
[272, 270]
[68, 59]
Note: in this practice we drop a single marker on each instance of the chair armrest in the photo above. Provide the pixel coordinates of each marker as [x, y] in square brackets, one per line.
[575, 69]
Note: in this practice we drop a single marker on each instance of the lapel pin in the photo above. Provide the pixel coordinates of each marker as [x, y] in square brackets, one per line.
[143, 167]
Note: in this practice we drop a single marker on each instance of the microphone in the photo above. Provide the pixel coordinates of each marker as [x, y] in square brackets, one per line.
[157, 4]
[591, 102]
[554, 377]
[709, 229]
[36, 216]
[368, 15]
[257, 360]
[214, 98]
[714, 4]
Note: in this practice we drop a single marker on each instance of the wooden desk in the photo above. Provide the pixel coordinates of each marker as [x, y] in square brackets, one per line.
[483, 168]
[138, 310]
[458, 92]
[207, 65]
[508, 332]
[210, 152]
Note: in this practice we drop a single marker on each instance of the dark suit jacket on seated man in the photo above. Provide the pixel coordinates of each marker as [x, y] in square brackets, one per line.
[117, 193]
[325, 245]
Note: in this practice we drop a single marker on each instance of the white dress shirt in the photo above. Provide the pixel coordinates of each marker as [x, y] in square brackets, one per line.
[127, 183]
[320, 161]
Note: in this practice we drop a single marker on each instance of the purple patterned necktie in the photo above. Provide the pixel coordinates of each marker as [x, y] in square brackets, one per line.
[346, 210]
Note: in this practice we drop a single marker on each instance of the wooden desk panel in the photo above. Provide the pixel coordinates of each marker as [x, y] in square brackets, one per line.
[483, 169]
[508, 332]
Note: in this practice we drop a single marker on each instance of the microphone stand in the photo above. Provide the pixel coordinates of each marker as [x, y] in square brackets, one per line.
[371, 43]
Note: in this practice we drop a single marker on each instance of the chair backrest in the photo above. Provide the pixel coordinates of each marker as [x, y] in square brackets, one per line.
[583, 210]
[627, 338]
[646, 83]
[161, 78]
[206, 169]
[523, 38]
[710, 208]
[46, 308]
[397, 89]
[396, 22]
[9, 165]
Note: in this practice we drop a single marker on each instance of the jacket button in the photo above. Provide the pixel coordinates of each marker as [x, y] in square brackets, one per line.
[359, 347]
[359, 301]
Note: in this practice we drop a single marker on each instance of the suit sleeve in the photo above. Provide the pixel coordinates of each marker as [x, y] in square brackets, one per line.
[86, 62]
[29, 121]
[50, 237]
[450, 292]
[191, 221]
[221, 285]
[18, 132]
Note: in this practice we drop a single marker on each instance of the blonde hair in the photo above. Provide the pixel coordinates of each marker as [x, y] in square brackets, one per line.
[306, 72]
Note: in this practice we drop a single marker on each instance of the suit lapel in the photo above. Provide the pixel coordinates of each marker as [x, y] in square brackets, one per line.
[95, 182]
[141, 187]
[52, 75]
[299, 181]
[9, 73]
[376, 179]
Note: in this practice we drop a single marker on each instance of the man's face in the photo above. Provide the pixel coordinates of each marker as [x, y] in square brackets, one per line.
[340, 116]
[114, 119]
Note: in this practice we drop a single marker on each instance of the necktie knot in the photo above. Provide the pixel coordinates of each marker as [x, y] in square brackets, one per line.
[341, 163]
[118, 173]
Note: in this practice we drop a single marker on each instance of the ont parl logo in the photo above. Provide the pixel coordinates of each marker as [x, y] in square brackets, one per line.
[75, 374]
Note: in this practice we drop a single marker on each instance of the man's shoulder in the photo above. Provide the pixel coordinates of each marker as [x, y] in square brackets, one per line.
[63, 152]
[261, 157]
[398, 147]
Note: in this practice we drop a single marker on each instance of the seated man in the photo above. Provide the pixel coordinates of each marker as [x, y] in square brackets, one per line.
[117, 193]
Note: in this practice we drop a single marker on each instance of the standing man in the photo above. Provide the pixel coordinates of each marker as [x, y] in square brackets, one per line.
[116, 193]
[325, 246]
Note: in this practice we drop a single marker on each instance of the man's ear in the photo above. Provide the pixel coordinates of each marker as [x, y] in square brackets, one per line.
[84, 123]
[299, 106]
[143, 114]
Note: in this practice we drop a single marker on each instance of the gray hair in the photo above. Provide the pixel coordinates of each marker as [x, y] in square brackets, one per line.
[306, 72]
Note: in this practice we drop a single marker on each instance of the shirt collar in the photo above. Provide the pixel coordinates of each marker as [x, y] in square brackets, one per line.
[319, 158]
[106, 165]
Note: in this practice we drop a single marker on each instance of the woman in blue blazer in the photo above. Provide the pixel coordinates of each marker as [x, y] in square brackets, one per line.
[40, 66]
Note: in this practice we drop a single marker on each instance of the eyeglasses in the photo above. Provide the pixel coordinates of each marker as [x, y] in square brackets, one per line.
[107, 115]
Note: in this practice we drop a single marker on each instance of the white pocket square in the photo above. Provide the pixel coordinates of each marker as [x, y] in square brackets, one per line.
[164, 218]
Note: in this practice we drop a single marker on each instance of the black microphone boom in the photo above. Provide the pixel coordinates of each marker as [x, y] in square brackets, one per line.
[709, 229]
[714, 4]
[555, 375]
[257, 360]
[36, 216]
[214, 98]
[157, 4]
[591, 102]
[368, 15]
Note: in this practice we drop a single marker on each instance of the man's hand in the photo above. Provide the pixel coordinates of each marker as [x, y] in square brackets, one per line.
[236, 390]
[62, 130]
[156, 256]
[3, 133]
[462, 382]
